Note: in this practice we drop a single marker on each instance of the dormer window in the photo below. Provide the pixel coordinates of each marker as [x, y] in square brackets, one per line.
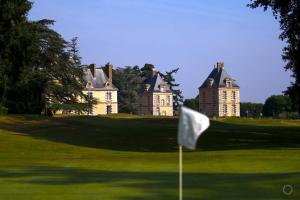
[162, 88]
[89, 84]
[146, 87]
[228, 82]
[210, 81]
[107, 84]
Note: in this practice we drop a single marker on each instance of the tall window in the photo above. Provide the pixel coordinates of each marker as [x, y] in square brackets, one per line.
[224, 95]
[157, 99]
[162, 102]
[168, 100]
[108, 96]
[157, 111]
[233, 109]
[228, 84]
[232, 95]
[109, 109]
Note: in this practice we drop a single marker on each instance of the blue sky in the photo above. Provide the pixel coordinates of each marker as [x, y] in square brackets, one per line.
[190, 34]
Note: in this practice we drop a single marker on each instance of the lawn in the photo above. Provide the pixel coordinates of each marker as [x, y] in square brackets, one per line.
[126, 157]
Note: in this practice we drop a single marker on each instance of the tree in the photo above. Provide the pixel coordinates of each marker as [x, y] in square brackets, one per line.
[249, 109]
[36, 72]
[277, 104]
[177, 93]
[146, 71]
[192, 103]
[73, 50]
[289, 18]
[128, 81]
[21, 86]
[64, 74]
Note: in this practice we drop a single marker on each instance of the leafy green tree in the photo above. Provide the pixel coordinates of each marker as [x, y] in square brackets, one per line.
[128, 81]
[287, 12]
[192, 103]
[276, 104]
[249, 109]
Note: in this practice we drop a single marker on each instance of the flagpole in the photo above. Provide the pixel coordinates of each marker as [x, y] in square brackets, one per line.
[180, 172]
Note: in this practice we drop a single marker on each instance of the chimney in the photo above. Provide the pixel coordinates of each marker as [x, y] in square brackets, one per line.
[110, 73]
[154, 72]
[93, 69]
[220, 65]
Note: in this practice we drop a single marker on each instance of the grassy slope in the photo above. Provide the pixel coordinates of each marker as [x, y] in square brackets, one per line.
[130, 157]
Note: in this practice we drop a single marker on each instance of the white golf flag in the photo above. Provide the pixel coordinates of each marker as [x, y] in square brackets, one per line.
[191, 125]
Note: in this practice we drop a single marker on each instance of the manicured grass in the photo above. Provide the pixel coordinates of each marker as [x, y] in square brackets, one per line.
[126, 157]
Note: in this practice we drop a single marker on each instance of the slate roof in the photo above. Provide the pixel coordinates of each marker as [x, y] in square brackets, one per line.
[154, 83]
[99, 81]
[218, 75]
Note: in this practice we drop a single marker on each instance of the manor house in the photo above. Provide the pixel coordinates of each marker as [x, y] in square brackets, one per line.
[155, 97]
[219, 95]
[99, 86]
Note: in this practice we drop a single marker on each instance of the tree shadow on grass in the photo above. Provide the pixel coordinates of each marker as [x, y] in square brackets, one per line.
[158, 185]
[151, 134]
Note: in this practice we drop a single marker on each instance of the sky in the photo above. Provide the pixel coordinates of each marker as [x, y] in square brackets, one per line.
[190, 34]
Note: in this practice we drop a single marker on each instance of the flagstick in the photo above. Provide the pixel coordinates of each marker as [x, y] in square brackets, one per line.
[180, 172]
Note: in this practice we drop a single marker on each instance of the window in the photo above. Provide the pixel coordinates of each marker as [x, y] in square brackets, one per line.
[168, 100]
[224, 95]
[162, 102]
[228, 82]
[224, 109]
[108, 96]
[210, 81]
[90, 94]
[157, 111]
[232, 95]
[89, 84]
[233, 109]
[146, 87]
[157, 99]
[162, 88]
[109, 109]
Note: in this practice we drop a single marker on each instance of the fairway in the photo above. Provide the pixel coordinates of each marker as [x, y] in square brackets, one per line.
[127, 157]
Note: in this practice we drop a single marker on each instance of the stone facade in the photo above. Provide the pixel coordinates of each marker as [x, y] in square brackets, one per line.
[219, 95]
[156, 97]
